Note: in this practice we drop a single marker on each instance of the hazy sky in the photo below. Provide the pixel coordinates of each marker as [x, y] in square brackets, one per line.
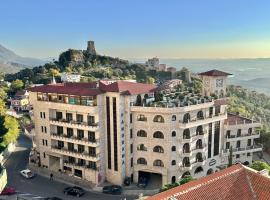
[138, 28]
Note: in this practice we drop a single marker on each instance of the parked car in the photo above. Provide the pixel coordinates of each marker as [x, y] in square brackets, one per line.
[112, 189]
[74, 191]
[27, 173]
[53, 198]
[8, 191]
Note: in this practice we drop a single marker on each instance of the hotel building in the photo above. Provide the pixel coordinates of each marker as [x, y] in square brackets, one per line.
[105, 131]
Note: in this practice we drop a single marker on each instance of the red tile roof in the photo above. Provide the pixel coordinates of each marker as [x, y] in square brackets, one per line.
[234, 183]
[126, 87]
[20, 93]
[234, 119]
[214, 72]
[80, 89]
[94, 88]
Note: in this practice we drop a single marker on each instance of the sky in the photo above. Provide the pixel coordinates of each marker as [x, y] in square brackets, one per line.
[138, 28]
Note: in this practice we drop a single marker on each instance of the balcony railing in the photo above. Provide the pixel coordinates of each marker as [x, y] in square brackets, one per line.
[74, 122]
[243, 135]
[256, 147]
[81, 165]
[75, 139]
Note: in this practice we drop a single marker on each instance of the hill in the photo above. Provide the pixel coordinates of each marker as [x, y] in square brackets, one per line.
[10, 62]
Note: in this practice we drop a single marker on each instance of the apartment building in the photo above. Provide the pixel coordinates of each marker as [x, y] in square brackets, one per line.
[110, 131]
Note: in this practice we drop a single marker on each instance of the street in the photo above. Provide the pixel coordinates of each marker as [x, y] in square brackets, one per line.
[39, 185]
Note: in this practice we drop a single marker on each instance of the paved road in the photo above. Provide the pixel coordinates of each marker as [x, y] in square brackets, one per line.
[41, 186]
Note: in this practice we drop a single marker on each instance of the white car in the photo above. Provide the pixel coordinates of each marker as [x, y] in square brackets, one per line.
[27, 173]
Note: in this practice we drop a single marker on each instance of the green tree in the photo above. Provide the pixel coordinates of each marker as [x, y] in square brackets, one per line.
[150, 80]
[259, 165]
[2, 107]
[16, 85]
[54, 72]
[12, 127]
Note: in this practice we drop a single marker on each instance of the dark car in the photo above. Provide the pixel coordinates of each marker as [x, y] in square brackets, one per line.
[8, 191]
[112, 189]
[74, 191]
[53, 198]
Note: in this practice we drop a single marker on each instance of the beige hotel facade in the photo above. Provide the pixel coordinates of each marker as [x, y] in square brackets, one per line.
[99, 132]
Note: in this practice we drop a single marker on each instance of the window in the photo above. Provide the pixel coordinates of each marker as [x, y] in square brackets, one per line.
[186, 174]
[69, 132]
[158, 134]
[141, 133]
[131, 133]
[199, 157]
[79, 118]
[238, 132]
[41, 115]
[141, 118]
[131, 148]
[91, 136]
[173, 179]
[173, 148]
[228, 134]
[186, 118]
[158, 163]
[45, 129]
[46, 142]
[60, 144]
[250, 131]
[198, 170]
[80, 148]
[186, 162]
[238, 144]
[159, 119]
[173, 162]
[200, 115]
[248, 154]
[60, 130]
[141, 161]
[92, 151]
[174, 118]
[237, 155]
[131, 162]
[227, 145]
[249, 142]
[158, 149]
[130, 118]
[80, 134]
[141, 147]
[173, 134]
[59, 116]
[186, 134]
[186, 148]
[90, 120]
[43, 142]
[70, 146]
[44, 116]
[199, 144]
[42, 129]
[44, 155]
[69, 117]
[199, 130]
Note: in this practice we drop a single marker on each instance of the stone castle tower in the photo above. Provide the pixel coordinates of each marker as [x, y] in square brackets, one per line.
[91, 47]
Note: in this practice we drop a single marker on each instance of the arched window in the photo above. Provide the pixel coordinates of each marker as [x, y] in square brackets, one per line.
[199, 157]
[141, 133]
[174, 118]
[158, 149]
[141, 147]
[186, 134]
[198, 170]
[173, 162]
[186, 162]
[173, 134]
[158, 163]
[186, 174]
[199, 130]
[200, 115]
[158, 118]
[210, 171]
[173, 180]
[186, 148]
[199, 144]
[141, 161]
[141, 118]
[186, 118]
[158, 134]
[173, 148]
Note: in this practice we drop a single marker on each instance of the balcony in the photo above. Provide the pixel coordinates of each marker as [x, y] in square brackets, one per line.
[206, 120]
[73, 124]
[185, 167]
[77, 140]
[243, 136]
[199, 149]
[79, 165]
[74, 153]
[248, 149]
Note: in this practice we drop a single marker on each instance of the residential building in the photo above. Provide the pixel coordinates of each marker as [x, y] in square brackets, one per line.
[236, 182]
[70, 77]
[20, 102]
[109, 131]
